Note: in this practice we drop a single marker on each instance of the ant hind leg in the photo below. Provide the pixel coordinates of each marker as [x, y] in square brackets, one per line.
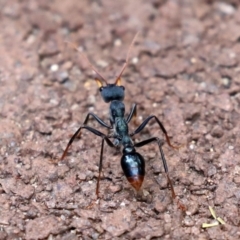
[160, 143]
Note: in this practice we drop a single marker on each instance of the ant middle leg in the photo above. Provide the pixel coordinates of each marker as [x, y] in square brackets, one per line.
[100, 121]
[95, 117]
[104, 138]
[160, 143]
[100, 168]
[146, 121]
[110, 144]
[78, 132]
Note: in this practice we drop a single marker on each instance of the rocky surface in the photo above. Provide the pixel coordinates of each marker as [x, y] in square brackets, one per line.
[184, 68]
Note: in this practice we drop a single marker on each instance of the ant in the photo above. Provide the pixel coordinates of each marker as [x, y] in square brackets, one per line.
[132, 162]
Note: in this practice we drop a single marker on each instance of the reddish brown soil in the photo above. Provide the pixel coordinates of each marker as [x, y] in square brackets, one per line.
[184, 68]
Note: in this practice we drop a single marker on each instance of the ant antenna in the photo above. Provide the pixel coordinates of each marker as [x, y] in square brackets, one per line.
[89, 63]
[126, 61]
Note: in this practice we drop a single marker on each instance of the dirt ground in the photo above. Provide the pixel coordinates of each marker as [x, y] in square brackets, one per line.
[184, 68]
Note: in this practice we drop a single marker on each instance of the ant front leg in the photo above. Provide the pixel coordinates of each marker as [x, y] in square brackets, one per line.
[160, 143]
[132, 114]
[78, 132]
[145, 122]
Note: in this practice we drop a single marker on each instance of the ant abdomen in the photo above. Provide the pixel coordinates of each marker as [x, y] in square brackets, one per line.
[133, 166]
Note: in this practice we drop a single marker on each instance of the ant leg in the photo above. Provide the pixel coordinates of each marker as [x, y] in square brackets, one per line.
[77, 133]
[100, 121]
[100, 134]
[96, 132]
[100, 169]
[70, 143]
[145, 122]
[160, 143]
[132, 114]
[110, 144]
[104, 138]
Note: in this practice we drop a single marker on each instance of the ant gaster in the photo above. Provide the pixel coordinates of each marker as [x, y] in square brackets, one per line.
[132, 162]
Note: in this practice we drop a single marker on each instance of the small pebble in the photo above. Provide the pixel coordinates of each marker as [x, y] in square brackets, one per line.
[135, 60]
[115, 188]
[188, 222]
[117, 42]
[226, 82]
[225, 8]
[192, 146]
[54, 68]
[62, 76]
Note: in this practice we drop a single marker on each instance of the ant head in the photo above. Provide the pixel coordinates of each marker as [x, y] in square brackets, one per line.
[114, 91]
[111, 92]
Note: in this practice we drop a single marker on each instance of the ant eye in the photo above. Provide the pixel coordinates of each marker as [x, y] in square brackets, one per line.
[123, 88]
[100, 89]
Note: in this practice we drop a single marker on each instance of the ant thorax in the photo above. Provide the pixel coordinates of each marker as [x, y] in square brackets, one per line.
[121, 133]
[116, 110]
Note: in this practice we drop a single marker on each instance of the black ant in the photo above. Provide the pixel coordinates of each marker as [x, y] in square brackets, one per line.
[132, 162]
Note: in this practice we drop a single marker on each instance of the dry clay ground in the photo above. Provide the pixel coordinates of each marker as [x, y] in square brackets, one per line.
[184, 68]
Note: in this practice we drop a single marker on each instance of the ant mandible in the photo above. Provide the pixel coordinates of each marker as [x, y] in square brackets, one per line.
[132, 162]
